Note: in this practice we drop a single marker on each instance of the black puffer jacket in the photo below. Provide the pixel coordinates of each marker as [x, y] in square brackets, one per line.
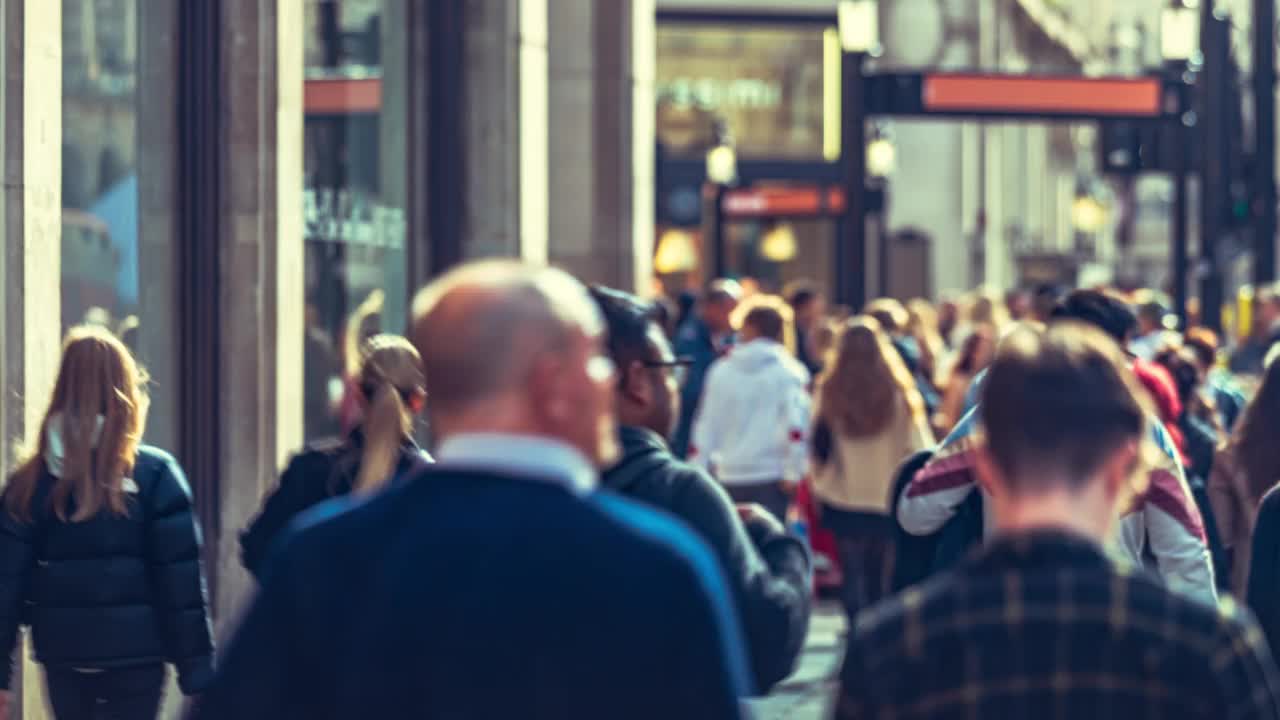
[767, 569]
[324, 470]
[111, 591]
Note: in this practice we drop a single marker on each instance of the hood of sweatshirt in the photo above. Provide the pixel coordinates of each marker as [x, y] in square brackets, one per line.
[762, 355]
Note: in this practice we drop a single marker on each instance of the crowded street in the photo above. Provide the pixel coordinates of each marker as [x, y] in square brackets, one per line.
[640, 360]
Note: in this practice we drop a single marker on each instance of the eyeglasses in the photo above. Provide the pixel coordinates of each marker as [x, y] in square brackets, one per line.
[679, 367]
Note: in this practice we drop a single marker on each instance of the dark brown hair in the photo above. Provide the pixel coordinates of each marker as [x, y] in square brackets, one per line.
[1255, 444]
[1062, 398]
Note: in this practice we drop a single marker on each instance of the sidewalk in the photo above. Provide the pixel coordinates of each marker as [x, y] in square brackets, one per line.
[807, 694]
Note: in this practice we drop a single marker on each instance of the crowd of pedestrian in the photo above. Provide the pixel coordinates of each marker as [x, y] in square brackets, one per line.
[1036, 502]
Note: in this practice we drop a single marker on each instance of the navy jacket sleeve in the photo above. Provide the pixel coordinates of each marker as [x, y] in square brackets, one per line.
[281, 507]
[179, 586]
[767, 571]
[17, 558]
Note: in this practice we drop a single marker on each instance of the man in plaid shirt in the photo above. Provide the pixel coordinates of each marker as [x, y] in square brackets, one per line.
[1042, 623]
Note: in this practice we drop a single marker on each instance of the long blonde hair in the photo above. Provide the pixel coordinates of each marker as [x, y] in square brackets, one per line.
[391, 374]
[98, 379]
[865, 381]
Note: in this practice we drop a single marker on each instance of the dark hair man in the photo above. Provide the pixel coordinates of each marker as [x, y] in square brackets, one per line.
[1165, 523]
[497, 583]
[704, 337]
[808, 307]
[1042, 623]
[768, 570]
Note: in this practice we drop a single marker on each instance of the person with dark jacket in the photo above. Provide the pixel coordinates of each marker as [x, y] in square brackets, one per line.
[768, 569]
[393, 392]
[704, 337]
[499, 583]
[99, 549]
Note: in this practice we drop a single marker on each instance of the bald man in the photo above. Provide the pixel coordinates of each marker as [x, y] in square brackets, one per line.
[498, 583]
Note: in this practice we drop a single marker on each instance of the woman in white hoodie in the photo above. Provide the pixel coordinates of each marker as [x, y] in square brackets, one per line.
[750, 431]
[869, 417]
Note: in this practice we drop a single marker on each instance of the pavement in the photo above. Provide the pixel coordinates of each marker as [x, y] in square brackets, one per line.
[808, 693]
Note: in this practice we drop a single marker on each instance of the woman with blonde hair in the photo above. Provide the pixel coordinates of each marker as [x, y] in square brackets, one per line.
[868, 418]
[99, 549]
[393, 391]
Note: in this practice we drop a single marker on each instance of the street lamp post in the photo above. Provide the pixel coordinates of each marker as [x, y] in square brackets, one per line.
[881, 162]
[722, 171]
[859, 35]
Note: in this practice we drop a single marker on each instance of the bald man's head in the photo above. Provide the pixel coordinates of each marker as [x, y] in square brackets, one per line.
[502, 331]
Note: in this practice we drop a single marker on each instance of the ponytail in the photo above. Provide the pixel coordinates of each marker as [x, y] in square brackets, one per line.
[386, 424]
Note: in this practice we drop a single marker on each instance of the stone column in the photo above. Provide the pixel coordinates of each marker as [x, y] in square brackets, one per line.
[601, 139]
[261, 269]
[505, 129]
[158, 202]
[30, 328]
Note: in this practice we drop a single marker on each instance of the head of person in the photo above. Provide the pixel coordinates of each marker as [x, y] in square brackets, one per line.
[1064, 422]
[986, 307]
[648, 387]
[1105, 310]
[1256, 450]
[1043, 301]
[865, 381]
[765, 317]
[922, 318]
[718, 305]
[1266, 312]
[1184, 370]
[89, 436]
[807, 304]
[393, 391]
[1150, 312]
[948, 317]
[891, 315]
[1017, 304]
[509, 347]
[976, 352]
[1203, 343]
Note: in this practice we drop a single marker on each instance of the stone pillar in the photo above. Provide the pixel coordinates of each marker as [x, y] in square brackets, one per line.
[601, 139]
[158, 202]
[505, 129]
[30, 328]
[261, 269]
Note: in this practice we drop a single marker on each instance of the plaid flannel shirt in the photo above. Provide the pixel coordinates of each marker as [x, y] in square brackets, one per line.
[1045, 626]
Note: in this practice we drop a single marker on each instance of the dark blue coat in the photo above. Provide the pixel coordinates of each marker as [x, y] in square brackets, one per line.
[111, 591]
[693, 341]
[469, 595]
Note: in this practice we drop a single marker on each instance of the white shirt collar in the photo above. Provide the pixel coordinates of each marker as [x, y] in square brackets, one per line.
[537, 458]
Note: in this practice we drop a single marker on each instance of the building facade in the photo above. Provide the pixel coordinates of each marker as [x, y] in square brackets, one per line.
[243, 188]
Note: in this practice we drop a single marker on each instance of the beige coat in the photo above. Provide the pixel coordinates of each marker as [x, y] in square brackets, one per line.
[859, 476]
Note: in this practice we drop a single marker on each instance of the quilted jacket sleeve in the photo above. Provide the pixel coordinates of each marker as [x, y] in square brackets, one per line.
[17, 558]
[178, 580]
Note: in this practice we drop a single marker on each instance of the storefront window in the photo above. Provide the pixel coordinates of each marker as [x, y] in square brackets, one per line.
[117, 230]
[355, 195]
[775, 253]
[764, 84]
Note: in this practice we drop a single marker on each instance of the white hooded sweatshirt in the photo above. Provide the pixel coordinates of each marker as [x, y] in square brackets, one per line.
[752, 425]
